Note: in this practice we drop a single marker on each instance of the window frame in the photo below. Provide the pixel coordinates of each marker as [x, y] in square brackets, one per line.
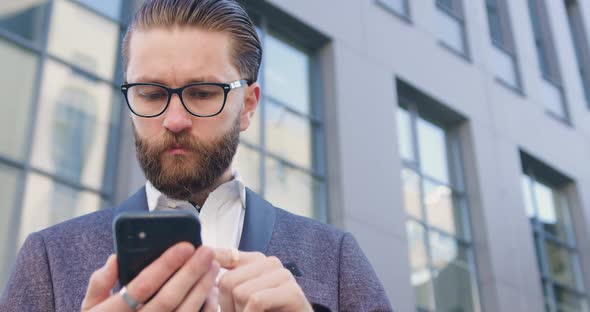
[456, 183]
[270, 20]
[536, 173]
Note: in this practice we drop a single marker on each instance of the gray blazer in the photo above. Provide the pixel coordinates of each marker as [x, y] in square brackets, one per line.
[54, 265]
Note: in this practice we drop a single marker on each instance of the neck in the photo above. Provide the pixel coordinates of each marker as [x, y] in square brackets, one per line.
[200, 197]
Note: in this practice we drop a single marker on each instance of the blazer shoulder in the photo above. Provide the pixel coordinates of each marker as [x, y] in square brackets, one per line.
[85, 223]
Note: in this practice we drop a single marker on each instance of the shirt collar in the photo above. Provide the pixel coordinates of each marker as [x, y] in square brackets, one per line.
[226, 191]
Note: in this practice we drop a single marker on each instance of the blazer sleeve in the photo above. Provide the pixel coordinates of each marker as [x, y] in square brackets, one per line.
[359, 286]
[29, 286]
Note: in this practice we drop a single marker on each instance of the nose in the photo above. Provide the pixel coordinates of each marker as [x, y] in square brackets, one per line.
[176, 118]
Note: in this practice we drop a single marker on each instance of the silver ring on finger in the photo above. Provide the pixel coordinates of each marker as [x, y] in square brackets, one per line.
[132, 303]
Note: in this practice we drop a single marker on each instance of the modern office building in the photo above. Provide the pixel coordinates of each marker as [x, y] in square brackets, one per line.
[451, 137]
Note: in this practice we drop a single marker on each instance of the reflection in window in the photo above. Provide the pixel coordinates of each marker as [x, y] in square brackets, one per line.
[552, 89]
[17, 79]
[48, 202]
[295, 190]
[69, 39]
[71, 140]
[441, 252]
[451, 25]
[400, 7]
[504, 62]
[555, 245]
[283, 136]
[110, 8]
[10, 178]
[23, 18]
[287, 73]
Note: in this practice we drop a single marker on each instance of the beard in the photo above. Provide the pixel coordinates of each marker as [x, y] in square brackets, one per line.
[181, 176]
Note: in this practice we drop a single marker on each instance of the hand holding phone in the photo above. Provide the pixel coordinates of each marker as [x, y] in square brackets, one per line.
[141, 237]
[182, 278]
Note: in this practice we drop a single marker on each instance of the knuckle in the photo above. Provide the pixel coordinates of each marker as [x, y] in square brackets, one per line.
[143, 290]
[274, 262]
[225, 283]
[256, 302]
[285, 274]
[240, 295]
[167, 302]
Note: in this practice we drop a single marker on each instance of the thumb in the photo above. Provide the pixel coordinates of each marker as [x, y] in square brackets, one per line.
[101, 283]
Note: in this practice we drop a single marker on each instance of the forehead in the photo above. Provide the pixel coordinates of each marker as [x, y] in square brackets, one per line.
[179, 55]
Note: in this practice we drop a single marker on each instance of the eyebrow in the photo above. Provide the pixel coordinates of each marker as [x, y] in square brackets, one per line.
[184, 82]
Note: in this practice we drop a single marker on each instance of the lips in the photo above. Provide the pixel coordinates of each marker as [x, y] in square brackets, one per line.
[177, 149]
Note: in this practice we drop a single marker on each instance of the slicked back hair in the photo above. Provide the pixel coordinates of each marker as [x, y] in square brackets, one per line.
[226, 16]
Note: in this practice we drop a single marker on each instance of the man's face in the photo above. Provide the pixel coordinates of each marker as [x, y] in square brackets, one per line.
[182, 154]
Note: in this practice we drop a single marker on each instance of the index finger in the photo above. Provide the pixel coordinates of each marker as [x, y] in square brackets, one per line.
[151, 279]
[233, 258]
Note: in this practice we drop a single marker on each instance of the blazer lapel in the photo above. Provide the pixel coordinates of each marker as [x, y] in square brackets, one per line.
[259, 223]
[137, 202]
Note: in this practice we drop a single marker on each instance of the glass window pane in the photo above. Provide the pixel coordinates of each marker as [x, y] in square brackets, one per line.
[291, 189]
[527, 194]
[72, 131]
[442, 211]
[568, 301]
[110, 8]
[433, 151]
[247, 163]
[454, 289]
[69, 39]
[504, 67]
[287, 73]
[450, 31]
[561, 264]
[288, 135]
[404, 130]
[24, 18]
[551, 212]
[421, 276]
[9, 178]
[411, 185]
[17, 79]
[47, 203]
[552, 99]
[495, 22]
[398, 6]
[445, 250]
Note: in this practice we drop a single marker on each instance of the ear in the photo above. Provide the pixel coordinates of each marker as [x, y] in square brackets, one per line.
[252, 98]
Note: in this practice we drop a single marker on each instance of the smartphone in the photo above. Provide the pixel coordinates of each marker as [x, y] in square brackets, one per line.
[141, 237]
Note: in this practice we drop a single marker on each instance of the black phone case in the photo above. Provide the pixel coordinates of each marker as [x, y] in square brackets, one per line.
[141, 237]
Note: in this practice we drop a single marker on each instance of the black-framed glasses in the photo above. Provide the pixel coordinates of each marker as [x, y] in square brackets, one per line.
[201, 99]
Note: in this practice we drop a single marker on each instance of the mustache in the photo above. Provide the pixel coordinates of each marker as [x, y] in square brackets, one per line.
[171, 140]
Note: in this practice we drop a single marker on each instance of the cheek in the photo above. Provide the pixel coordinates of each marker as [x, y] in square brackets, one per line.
[147, 127]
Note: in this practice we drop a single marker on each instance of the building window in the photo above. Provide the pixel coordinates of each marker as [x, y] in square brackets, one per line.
[398, 7]
[440, 246]
[24, 19]
[504, 53]
[579, 38]
[61, 117]
[280, 155]
[552, 93]
[559, 265]
[451, 26]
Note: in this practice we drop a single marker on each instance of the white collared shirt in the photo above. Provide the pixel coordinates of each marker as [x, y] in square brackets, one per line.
[222, 214]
